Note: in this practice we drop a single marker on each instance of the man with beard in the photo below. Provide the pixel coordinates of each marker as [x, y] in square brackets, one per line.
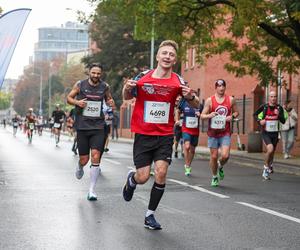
[220, 109]
[88, 97]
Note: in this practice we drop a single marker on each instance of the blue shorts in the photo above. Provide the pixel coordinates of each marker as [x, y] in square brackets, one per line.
[193, 139]
[213, 142]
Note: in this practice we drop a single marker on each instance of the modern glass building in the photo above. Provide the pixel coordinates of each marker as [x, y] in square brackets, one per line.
[59, 41]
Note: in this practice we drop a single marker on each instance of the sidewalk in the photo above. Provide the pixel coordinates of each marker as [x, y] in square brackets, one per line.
[290, 166]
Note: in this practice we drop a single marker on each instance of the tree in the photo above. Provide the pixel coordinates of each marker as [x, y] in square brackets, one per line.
[121, 55]
[262, 35]
[5, 99]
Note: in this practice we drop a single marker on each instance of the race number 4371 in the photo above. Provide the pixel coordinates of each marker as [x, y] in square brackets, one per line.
[156, 112]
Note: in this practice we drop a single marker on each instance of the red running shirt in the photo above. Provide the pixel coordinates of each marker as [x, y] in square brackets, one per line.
[153, 112]
[223, 109]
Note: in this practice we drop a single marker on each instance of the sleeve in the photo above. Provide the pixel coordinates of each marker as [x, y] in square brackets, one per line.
[258, 114]
[281, 115]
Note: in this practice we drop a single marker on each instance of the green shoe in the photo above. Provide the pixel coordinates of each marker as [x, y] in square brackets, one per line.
[214, 182]
[187, 171]
[221, 173]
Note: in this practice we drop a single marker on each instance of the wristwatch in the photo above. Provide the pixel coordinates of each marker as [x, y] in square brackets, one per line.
[193, 97]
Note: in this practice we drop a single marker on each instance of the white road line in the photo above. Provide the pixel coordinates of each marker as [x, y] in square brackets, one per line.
[269, 211]
[199, 189]
[112, 161]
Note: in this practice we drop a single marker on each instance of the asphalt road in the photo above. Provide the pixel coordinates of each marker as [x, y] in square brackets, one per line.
[43, 205]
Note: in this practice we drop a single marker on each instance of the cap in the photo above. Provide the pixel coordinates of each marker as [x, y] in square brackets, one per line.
[220, 82]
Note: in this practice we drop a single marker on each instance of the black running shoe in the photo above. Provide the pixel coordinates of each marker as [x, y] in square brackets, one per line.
[151, 223]
[127, 189]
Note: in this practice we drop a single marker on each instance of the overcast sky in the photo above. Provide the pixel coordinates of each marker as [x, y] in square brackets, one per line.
[44, 13]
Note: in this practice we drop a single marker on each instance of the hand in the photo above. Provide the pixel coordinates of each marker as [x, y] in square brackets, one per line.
[81, 103]
[177, 123]
[262, 122]
[110, 102]
[228, 118]
[213, 114]
[186, 92]
[130, 84]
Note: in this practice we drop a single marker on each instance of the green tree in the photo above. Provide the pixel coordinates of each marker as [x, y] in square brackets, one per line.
[258, 32]
[5, 99]
[121, 55]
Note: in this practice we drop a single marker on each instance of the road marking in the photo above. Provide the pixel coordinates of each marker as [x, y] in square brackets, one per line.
[199, 189]
[269, 211]
[112, 161]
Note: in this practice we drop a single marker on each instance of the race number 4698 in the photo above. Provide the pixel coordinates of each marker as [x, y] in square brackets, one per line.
[156, 112]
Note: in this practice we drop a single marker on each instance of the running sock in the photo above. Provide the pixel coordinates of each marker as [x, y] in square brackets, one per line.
[214, 176]
[94, 173]
[157, 192]
[149, 212]
[132, 182]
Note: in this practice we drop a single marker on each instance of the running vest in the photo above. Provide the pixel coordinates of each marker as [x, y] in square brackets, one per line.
[153, 112]
[91, 117]
[217, 126]
[190, 123]
[271, 118]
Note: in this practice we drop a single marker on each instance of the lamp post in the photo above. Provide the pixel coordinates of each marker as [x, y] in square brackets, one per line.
[41, 94]
[41, 91]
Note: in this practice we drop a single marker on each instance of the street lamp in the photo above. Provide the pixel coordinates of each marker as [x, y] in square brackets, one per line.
[41, 91]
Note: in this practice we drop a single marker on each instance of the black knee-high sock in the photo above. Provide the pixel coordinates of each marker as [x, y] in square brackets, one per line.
[157, 192]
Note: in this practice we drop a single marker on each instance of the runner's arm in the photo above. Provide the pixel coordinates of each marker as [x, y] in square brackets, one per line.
[206, 110]
[281, 116]
[235, 112]
[128, 89]
[108, 97]
[71, 97]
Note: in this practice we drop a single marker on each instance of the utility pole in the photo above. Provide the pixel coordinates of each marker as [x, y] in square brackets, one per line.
[41, 93]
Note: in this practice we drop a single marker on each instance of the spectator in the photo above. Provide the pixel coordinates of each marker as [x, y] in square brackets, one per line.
[288, 129]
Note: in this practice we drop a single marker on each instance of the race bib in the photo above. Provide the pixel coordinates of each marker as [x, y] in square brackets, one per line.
[156, 112]
[31, 126]
[191, 122]
[15, 124]
[272, 126]
[56, 125]
[218, 122]
[92, 109]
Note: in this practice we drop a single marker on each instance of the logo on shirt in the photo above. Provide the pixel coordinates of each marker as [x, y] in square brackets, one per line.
[222, 110]
[148, 88]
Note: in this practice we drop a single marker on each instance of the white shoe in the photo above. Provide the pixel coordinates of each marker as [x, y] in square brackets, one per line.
[79, 172]
[286, 156]
[266, 174]
[92, 196]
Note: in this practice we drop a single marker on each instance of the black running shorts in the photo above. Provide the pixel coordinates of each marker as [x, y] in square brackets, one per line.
[149, 148]
[270, 138]
[90, 139]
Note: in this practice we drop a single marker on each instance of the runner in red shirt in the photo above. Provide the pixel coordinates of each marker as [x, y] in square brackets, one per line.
[220, 109]
[152, 122]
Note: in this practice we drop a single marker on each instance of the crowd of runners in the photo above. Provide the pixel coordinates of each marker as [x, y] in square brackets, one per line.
[166, 117]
